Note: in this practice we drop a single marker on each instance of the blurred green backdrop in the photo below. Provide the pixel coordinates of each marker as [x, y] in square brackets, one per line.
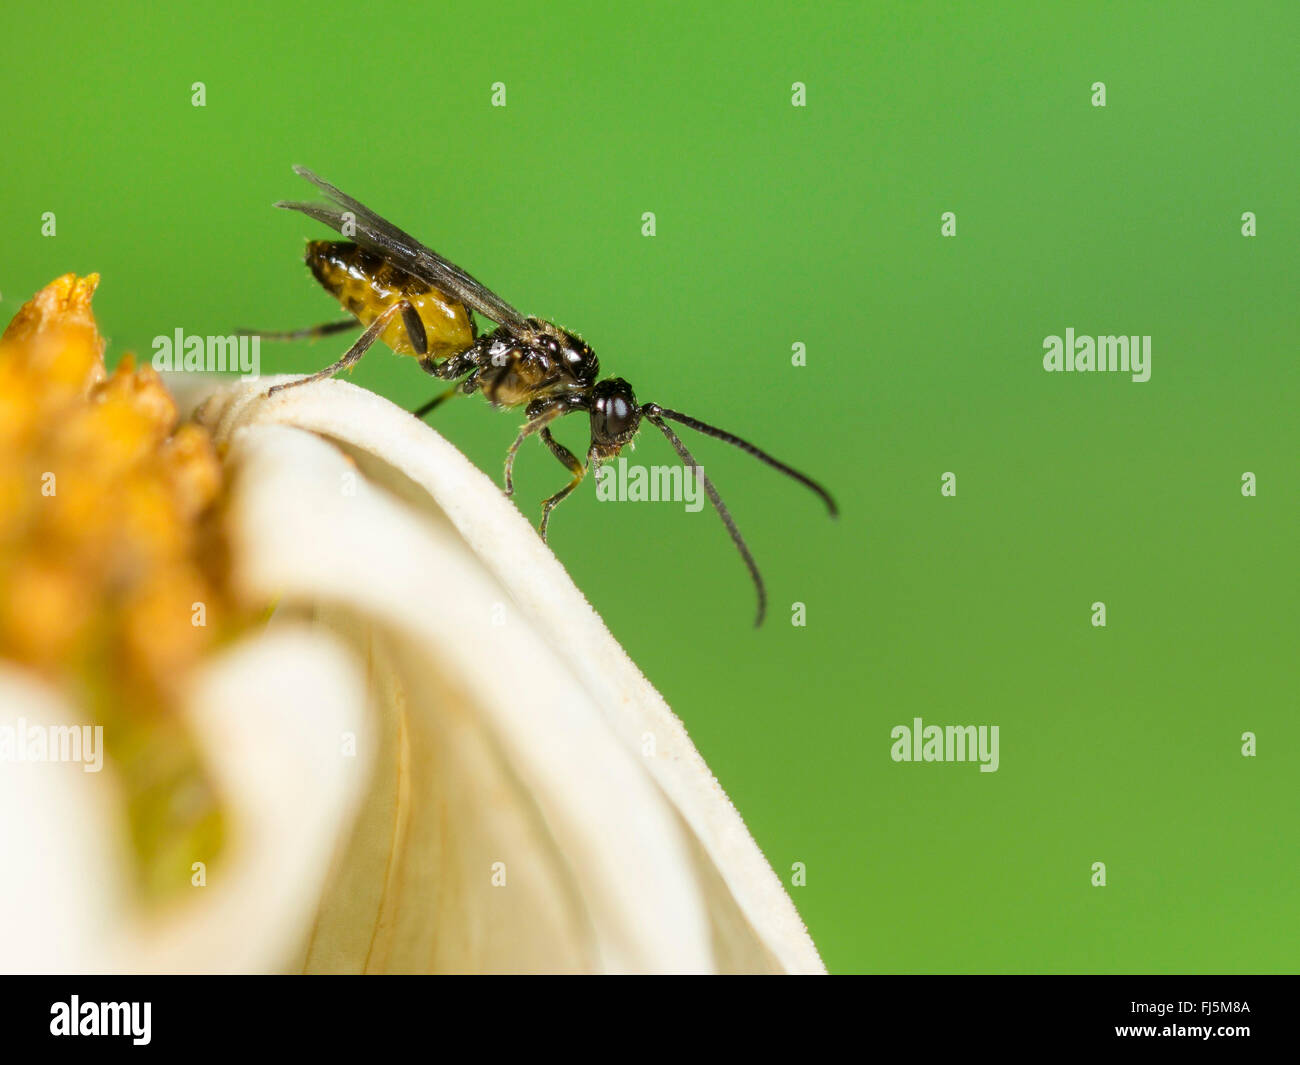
[818, 225]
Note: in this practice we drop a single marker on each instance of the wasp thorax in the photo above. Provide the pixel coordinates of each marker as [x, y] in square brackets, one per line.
[568, 350]
[580, 359]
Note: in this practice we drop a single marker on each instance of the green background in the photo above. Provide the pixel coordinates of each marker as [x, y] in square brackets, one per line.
[819, 225]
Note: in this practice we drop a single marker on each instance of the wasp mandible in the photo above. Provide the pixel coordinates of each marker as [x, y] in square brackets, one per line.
[419, 304]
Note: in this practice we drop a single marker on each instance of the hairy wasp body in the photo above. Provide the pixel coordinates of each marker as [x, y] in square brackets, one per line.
[419, 304]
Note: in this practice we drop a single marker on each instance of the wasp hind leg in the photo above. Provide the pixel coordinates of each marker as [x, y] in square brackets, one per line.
[467, 361]
[448, 370]
[578, 469]
[436, 402]
[414, 330]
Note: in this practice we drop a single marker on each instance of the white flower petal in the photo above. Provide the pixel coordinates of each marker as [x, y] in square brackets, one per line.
[57, 833]
[527, 736]
[268, 715]
[497, 737]
[273, 718]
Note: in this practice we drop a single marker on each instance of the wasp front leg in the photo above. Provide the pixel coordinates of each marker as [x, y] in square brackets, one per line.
[578, 469]
[540, 414]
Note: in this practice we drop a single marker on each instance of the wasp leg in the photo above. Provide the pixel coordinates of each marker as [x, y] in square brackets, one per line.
[578, 469]
[414, 328]
[313, 331]
[466, 361]
[436, 402]
[540, 420]
[467, 386]
[362, 345]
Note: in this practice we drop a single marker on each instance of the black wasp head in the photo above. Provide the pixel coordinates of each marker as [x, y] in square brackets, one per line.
[615, 416]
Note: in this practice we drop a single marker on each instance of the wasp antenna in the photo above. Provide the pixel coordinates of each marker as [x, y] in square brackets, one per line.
[654, 414]
[653, 410]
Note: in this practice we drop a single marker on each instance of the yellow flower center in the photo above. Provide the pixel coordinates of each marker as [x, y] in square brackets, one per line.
[113, 577]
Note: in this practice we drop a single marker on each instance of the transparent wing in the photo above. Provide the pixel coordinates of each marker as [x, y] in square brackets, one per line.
[400, 248]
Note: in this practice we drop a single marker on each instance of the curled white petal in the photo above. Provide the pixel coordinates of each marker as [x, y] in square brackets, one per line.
[514, 822]
[57, 833]
[268, 716]
[286, 731]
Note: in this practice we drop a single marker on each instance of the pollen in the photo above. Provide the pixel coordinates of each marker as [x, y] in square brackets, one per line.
[113, 582]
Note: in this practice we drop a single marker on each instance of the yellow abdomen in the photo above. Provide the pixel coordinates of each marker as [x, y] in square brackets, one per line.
[367, 285]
